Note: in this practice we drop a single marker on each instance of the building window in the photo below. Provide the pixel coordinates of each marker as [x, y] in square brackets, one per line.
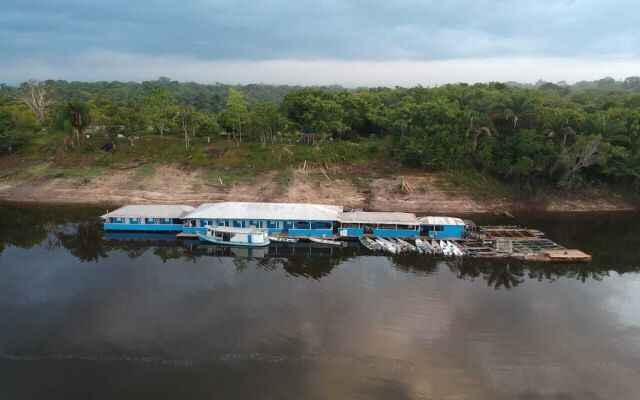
[134, 220]
[301, 225]
[321, 225]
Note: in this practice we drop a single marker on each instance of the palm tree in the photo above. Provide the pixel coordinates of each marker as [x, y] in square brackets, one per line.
[557, 124]
[518, 105]
[76, 116]
[479, 124]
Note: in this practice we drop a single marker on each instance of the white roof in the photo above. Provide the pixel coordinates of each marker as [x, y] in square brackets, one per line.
[230, 229]
[440, 221]
[150, 211]
[364, 217]
[268, 211]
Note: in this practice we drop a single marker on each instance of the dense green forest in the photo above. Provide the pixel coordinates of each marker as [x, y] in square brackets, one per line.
[543, 135]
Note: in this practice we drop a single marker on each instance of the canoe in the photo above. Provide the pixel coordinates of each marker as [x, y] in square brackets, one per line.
[436, 247]
[327, 242]
[407, 245]
[369, 244]
[280, 239]
[388, 246]
[445, 249]
[456, 250]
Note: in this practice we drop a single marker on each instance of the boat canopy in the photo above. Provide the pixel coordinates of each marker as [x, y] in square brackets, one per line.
[230, 229]
[449, 221]
[150, 211]
[266, 211]
[366, 217]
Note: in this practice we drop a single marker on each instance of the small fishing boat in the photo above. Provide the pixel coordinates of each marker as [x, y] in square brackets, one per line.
[445, 249]
[454, 248]
[283, 239]
[388, 246]
[230, 236]
[423, 246]
[370, 244]
[436, 247]
[327, 242]
[407, 245]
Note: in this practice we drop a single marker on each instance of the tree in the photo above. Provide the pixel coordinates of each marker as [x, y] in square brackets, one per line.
[188, 119]
[557, 125]
[518, 105]
[6, 126]
[75, 116]
[131, 118]
[159, 107]
[265, 121]
[33, 94]
[236, 112]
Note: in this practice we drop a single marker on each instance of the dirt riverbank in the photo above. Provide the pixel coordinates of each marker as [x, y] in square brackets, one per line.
[428, 193]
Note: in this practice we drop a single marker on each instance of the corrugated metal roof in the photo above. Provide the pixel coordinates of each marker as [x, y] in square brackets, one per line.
[365, 217]
[150, 211]
[440, 221]
[268, 211]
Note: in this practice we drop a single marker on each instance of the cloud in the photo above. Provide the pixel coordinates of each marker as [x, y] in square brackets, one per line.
[44, 36]
[109, 65]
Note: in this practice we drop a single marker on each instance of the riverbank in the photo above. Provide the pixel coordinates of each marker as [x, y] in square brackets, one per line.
[356, 187]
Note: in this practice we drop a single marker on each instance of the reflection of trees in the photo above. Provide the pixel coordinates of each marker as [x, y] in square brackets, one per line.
[416, 264]
[498, 274]
[83, 240]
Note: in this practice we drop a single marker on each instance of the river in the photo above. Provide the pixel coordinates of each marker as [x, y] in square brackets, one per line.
[85, 316]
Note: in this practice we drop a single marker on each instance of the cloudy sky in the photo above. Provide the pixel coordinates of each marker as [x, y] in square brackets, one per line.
[350, 42]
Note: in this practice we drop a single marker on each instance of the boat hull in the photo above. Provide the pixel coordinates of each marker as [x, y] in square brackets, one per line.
[238, 244]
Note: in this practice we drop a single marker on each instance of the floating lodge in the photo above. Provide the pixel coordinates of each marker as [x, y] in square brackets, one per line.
[313, 221]
[291, 219]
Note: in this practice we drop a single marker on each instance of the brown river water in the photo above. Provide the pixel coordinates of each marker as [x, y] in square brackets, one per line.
[84, 315]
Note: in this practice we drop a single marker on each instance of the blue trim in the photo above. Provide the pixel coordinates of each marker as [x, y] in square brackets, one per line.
[310, 232]
[143, 227]
[396, 232]
[448, 232]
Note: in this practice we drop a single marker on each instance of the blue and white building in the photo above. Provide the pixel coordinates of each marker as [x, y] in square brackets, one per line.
[147, 218]
[384, 224]
[293, 219]
[442, 227]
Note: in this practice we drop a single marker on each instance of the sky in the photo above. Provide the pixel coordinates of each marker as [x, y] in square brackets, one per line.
[350, 42]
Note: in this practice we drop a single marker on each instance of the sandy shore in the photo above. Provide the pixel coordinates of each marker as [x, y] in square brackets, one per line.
[169, 185]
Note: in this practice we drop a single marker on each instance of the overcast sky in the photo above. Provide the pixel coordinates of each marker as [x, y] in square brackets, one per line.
[357, 42]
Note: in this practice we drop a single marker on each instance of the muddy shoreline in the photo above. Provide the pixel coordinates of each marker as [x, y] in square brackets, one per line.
[169, 185]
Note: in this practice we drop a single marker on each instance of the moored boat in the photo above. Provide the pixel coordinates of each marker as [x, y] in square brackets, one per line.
[436, 247]
[282, 239]
[229, 236]
[454, 248]
[328, 242]
[445, 248]
[369, 244]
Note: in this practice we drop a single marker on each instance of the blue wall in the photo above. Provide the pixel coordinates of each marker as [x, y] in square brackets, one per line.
[448, 232]
[110, 226]
[401, 233]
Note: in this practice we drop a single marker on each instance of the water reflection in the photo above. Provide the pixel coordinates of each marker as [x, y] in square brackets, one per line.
[80, 233]
[91, 315]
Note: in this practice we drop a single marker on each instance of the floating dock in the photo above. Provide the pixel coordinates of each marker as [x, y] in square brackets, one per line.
[399, 232]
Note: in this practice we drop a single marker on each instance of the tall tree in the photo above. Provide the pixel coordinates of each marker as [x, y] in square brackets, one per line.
[33, 94]
[159, 107]
[76, 116]
[236, 111]
[518, 105]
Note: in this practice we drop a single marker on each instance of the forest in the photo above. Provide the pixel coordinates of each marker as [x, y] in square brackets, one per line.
[542, 135]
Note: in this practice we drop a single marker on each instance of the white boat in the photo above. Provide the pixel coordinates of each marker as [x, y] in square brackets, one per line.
[454, 248]
[230, 236]
[407, 245]
[283, 239]
[387, 245]
[370, 244]
[445, 249]
[436, 247]
[328, 242]
[423, 246]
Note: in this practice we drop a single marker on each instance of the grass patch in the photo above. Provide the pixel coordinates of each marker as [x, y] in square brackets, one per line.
[145, 171]
[479, 186]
